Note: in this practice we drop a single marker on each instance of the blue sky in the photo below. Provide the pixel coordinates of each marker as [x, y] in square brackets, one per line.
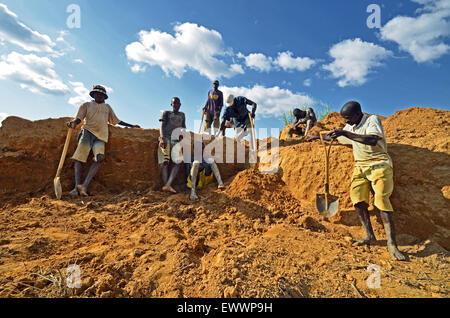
[281, 54]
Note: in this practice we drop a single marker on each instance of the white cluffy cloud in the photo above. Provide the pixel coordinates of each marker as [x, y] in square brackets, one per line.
[15, 32]
[307, 82]
[32, 72]
[272, 101]
[82, 93]
[354, 60]
[192, 47]
[422, 36]
[285, 61]
[257, 61]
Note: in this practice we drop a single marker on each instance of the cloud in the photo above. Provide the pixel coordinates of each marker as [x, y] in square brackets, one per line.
[32, 72]
[78, 61]
[192, 47]
[422, 36]
[257, 61]
[307, 82]
[354, 60]
[285, 61]
[272, 101]
[15, 32]
[82, 93]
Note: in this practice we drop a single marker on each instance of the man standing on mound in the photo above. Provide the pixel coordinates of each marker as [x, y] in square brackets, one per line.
[93, 136]
[170, 121]
[213, 108]
[373, 169]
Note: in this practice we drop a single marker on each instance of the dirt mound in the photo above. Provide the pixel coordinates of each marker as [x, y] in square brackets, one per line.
[420, 127]
[419, 212]
[30, 154]
[261, 237]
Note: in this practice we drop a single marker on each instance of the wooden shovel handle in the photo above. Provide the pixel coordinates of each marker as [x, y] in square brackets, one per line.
[63, 156]
[201, 124]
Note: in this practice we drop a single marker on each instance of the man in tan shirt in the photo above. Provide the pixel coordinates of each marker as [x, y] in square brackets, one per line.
[373, 171]
[93, 136]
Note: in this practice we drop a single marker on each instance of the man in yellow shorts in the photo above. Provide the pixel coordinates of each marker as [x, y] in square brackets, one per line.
[202, 171]
[373, 169]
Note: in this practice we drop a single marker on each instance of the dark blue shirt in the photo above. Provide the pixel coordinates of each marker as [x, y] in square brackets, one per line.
[239, 111]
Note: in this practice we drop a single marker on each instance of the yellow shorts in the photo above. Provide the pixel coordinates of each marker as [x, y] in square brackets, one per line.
[203, 180]
[87, 142]
[380, 178]
[210, 120]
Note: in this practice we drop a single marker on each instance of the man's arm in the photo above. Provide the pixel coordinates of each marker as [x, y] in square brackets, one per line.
[370, 140]
[255, 106]
[219, 105]
[82, 111]
[162, 138]
[183, 124]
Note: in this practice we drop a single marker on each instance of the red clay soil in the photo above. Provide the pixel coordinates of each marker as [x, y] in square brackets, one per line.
[260, 237]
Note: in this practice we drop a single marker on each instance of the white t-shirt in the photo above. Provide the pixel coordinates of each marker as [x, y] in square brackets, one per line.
[365, 155]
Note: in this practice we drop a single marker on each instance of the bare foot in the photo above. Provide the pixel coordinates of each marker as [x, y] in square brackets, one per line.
[169, 189]
[74, 192]
[395, 253]
[193, 196]
[364, 241]
[82, 190]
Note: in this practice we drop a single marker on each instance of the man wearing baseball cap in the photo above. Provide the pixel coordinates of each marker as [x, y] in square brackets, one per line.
[93, 136]
[213, 108]
[236, 115]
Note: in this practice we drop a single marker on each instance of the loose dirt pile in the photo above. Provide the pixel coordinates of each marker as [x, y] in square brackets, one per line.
[261, 237]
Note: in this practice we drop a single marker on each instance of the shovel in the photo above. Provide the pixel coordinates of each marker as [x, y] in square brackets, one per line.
[327, 204]
[57, 180]
[201, 124]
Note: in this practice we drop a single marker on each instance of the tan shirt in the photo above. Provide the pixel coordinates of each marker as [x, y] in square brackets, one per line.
[97, 117]
[365, 155]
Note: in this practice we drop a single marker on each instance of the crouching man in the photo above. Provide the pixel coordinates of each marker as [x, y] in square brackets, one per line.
[201, 173]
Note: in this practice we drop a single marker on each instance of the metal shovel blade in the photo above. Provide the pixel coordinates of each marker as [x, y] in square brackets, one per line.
[327, 209]
[58, 187]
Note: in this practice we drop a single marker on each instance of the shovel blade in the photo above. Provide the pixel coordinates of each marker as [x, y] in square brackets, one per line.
[58, 187]
[333, 205]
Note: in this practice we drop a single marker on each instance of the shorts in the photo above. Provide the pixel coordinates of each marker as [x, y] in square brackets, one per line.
[165, 154]
[87, 141]
[209, 121]
[203, 180]
[378, 177]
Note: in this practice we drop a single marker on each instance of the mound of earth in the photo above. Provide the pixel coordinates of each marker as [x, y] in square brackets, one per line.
[30, 154]
[260, 237]
[419, 149]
